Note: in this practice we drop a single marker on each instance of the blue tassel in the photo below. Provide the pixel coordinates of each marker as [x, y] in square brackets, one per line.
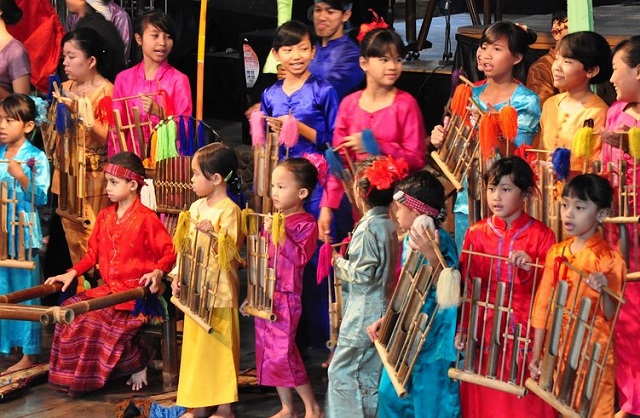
[63, 118]
[191, 138]
[152, 309]
[561, 160]
[182, 136]
[335, 165]
[53, 77]
[202, 140]
[369, 143]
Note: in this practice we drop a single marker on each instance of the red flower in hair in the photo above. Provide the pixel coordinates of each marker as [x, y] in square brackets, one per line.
[384, 172]
[377, 22]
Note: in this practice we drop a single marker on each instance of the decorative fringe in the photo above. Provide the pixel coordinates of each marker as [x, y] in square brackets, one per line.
[201, 136]
[168, 103]
[85, 112]
[369, 143]
[227, 250]
[634, 142]
[166, 140]
[489, 129]
[448, 288]
[256, 127]
[460, 100]
[509, 122]
[248, 224]
[151, 310]
[148, 194]
[53, 78]
[191, 137]
[529, 157]
[182, 136]
[289, 132]
[335, 164]
[583, 140]
[63, 118]
[561, 160]
[277, 229]
[104, 111]
[153, 146]
[181, 234]
[324, 262]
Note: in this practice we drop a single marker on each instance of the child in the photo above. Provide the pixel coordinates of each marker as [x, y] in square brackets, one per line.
[623, 114]
[585, 203]
[367, 277]
[512, 233]
[278, 360]
[84, 63]
[210, 362]
[102, 344]
[17, 120]
[431, 392]
[503, 46]
[163, 91]
[582, 59]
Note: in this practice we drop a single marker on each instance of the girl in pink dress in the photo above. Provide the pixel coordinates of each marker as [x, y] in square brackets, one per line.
[278, 361]
[622, 115]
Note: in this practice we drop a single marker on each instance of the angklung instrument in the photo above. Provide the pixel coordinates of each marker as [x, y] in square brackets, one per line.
[15, 227]
[573, 360]
[498, 344]
[265, 159]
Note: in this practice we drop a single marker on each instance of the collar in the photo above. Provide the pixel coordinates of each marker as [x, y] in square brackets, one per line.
[333, 42]
[518, 223]
[164, 67]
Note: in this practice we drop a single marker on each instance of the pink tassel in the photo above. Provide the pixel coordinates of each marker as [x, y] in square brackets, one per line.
[324, 262]
[256, 125]
[289, 132]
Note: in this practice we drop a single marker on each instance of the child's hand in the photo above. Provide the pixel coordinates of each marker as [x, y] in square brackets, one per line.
[205, 226]
[419, 238]
[67, 98]
[324, 224]
[267, 223]
[596, 281]
[65, 279]
[241, 309]
[150, 106]
[460, 342]
[520, 259]
[437, 134]
[534, 367]
[334, 256]
[373, 329]
[354, 142]
[175, 287]
[275, 124]
[15, 169]
[250, 109]
[154, 279]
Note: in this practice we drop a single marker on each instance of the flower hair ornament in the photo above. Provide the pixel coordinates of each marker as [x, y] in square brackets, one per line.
[384, 172]
[321, 165]
[377, 22]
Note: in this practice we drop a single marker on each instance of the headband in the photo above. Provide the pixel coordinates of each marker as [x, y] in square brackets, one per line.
[124, 173]
[99, 7]
[415, 204]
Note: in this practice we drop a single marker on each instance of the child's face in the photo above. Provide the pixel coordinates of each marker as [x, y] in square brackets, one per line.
[13, 130]
[119, 189]
[404, 215]
[286, 193]
[505, 199]
[201, 185]
[382, 71]
[295, 59]
[76, 65]
[580, 217]
[156, 44]
[569, 74]
[496, 58]
[625, 79]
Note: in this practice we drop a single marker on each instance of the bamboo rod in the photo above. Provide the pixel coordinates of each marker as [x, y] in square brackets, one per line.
[565, 410]
[17, 264]
[109, 300]
[250, 310]
[584, 275]
[487, 382]
[31, 293]
[633, 277]
[206, 327]
[401, 391]
[498, 257]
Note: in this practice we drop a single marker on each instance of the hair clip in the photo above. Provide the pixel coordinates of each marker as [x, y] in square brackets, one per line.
[522, 26]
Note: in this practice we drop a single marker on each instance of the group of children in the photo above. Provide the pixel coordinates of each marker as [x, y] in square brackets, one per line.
[132, 248]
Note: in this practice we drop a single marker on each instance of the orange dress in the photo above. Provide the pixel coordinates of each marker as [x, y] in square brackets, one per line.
[597, 256]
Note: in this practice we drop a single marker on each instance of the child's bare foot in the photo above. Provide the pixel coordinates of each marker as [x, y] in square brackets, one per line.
[314, 413]
[25, 362]
[223, 411]
[138, 380]
[285, 414]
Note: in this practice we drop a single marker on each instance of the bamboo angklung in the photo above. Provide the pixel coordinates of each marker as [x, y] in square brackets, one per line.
[15, 227]
[265, 159]
[334, 299]
[491, 328]
[572, 368]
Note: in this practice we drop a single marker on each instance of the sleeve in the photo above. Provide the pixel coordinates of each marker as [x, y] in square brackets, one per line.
[160, 241]
[614, 268]
[362, 264]
[346, 75]
[300, 243]
[90, 258]
[412, 141]
[528, 118]
[39, 181]
[334, 191]
[544, 239]
[329, 103]
[265, 103]
[540, 80]
[182, 104]
[18, 64]
[542, 298]
[230, 222]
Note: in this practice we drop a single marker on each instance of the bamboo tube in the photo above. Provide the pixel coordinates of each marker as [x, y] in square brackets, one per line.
[549, 398]
[269, 316]
[43, 314]
[622, 220]
[137, 126]
[633, 277]
[584, 275]
[16, 264]
[487, 382]
[208, 328]
[498, 257]
[106, 301]
[400, 389]
[31, 293]
[117, 120]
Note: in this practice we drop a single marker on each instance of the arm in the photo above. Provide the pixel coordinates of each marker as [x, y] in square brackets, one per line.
[362, 263]
[411, 142]
[40, 182]
[346, 75]
[528, 119]
[300, 243]
[22, 84]
[330, 105]
[159, 241]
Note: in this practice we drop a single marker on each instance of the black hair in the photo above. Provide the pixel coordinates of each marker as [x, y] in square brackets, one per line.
[519, 37]
[591, 49]
[11, 13]
[131, 162]
[19, 106]
[516, 168]
[158, 19]
[590, 187]
[305, 173]
[379, 42]
[219, 158]
[425, 187]
[90, 43]
[559, 14]
[631, 51]
[340, 5]
[371, 195]
[291, 33]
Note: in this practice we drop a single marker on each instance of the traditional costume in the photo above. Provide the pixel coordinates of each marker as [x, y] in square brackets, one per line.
[540, 77]
[169, 88]
[338, 63]
[102, 344]
[22, 333]
[628, 363]
[210, 362]
[597, 256]
[431, 393]
[278, 361]
[366, 274]
[491, 236]
[558, 127]
[14, 63]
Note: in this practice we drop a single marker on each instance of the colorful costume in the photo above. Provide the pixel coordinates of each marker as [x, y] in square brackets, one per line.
[22, 333]
[597, 256]
[540, 77]
[210, 362]
[628, 363]
[367, 275]
[278, 360]
[102, 344]
[14, 63]
[432, 394]
[490, 236]
[95, 196]
[558, 127]
[338, 64]
[169, 88]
